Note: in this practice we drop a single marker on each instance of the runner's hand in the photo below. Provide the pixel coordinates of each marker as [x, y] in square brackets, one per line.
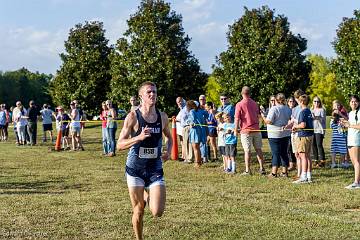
[165, 156]
[145, 133]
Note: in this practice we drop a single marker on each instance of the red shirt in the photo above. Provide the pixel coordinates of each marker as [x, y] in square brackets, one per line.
[103, 117]
[247, 111]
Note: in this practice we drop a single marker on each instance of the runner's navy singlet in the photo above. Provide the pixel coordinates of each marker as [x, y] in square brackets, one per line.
[145, 157]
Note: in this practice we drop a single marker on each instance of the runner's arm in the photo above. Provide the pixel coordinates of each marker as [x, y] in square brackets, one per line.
[167, 135]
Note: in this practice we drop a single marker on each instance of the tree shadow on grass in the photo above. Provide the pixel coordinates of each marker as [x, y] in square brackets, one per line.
[38, 187]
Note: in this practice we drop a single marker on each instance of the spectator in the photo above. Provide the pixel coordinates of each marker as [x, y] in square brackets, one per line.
[221, 138]
[247, 116]
[63, 123]
[21, 122]
[226, 107]
[186, 146]
[46, 115]
[15, 112]
[134, 103]
[212, 125]
[305, 130]
[103, 117]
[202, 102]
[339, 137]
[291, 102]
[277, 119]
[2, 123]
[8, 120]
[181, 103]
[272, 101]
[75, 128]
[319, 116]
[230, 143]
[111, 126]
[204, 128]
[33, 113]
[196, 135]
[294, 135]
[354, 139]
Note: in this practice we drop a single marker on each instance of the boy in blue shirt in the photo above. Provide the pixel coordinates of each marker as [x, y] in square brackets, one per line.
[230, 143]
[305, 130]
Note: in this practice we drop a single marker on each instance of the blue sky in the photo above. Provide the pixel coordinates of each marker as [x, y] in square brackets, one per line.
[32, 32]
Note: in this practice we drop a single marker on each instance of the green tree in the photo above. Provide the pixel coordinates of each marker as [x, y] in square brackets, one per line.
[264, 55]
[155, 48]
[85, 71]
[347, 47]
[24, 85]
[323, 81]
[213, 91]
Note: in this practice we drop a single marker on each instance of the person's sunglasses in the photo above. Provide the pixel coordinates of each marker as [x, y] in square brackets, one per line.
[223, 98]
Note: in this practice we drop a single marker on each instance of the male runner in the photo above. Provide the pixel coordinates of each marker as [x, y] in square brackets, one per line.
[142, 133]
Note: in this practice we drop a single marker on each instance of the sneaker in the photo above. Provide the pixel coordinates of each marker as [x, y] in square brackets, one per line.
[345, 165]
[245, 173]
[187, 161]
[300, 181]
[334, 165]
[353, 186]
[262, 171]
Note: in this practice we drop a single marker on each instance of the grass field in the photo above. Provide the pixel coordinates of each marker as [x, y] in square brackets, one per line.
[83, 195]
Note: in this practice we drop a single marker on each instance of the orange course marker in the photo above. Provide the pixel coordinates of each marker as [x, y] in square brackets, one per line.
[174, 150]
[58, 142]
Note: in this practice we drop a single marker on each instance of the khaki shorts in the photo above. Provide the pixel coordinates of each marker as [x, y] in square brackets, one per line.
[248, 139]
[294, 141]
[304, 144]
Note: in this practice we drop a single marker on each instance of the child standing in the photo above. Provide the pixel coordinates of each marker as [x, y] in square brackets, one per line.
[230, 143]
[305, 130]
[339, 137]
[221, 139]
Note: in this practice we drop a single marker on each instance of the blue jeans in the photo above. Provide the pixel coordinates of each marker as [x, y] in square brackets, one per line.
[111, 139]
[279, 151]
[105, 140]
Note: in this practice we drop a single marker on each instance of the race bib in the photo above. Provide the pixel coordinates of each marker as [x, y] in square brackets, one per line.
[148, 152]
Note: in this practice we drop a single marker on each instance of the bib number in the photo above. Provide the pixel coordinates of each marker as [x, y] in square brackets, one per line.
[148, 152]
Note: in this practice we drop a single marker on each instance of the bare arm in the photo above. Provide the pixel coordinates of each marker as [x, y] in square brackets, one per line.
[125, 140]
[236, 122]
[167, 135]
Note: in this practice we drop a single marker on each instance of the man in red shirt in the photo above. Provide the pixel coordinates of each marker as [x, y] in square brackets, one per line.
[247, 115]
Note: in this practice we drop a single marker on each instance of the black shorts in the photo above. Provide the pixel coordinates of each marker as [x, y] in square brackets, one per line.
[212, 132]
[2, 126]
[65, 132]
[222, 150]
[230, 150]
[147, 176]
[47, 127]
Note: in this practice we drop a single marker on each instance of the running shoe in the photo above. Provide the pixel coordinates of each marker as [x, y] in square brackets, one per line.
[353, 186]
[300, 181]
[334, 165]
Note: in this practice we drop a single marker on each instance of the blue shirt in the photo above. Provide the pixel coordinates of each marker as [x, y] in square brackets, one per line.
[230, 138]
[306, 117]
[228, 108]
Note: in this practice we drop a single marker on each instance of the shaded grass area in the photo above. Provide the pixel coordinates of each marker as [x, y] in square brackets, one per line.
[83, 195]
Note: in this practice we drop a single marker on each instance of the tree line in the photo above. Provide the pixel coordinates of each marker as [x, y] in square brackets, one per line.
[25, 86]
[262, 53]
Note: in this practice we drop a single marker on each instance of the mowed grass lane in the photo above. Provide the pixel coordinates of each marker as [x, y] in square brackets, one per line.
[83, 195]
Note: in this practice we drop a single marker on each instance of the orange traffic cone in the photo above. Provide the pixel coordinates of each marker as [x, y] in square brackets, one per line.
[174, 150]
[58, 141]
